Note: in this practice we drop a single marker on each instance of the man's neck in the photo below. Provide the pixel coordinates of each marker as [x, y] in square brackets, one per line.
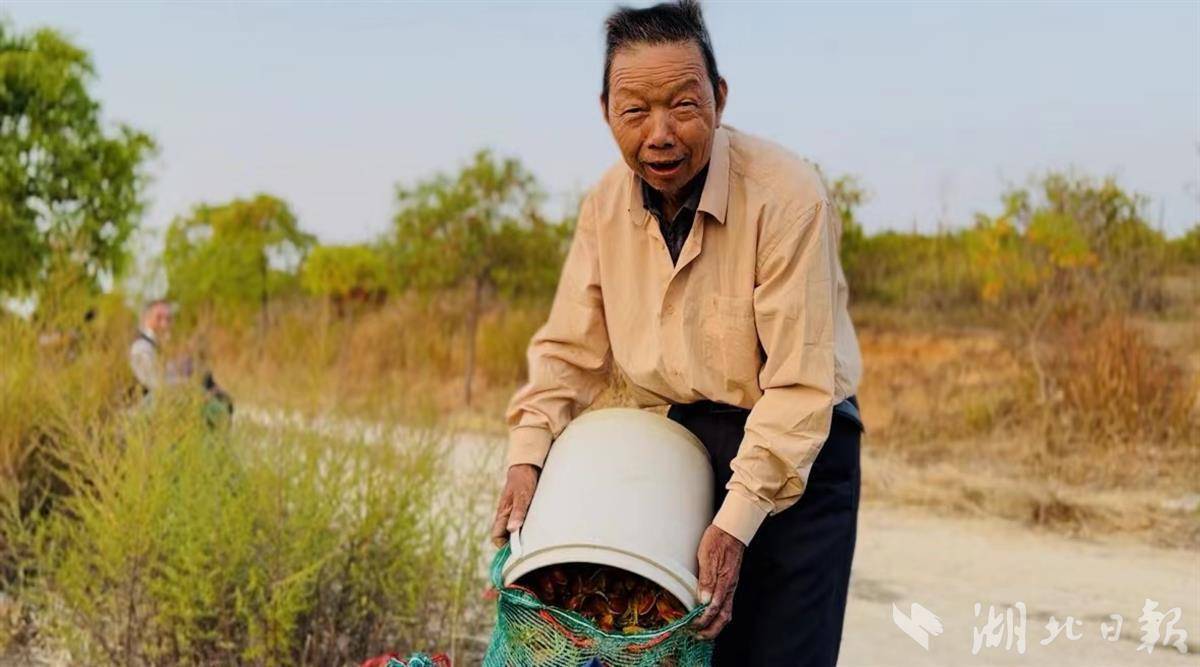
[671, 204]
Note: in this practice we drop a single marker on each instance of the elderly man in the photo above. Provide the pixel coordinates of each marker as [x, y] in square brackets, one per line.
[154, 374]
[151, 373]
[705, 266]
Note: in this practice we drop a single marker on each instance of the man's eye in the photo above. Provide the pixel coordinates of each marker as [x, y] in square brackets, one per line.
[631, 110]
[686, 104]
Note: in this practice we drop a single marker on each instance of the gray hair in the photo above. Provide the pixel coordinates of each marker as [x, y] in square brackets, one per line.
[665, 23]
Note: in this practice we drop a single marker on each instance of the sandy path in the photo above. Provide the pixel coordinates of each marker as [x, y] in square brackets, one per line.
[949, 564]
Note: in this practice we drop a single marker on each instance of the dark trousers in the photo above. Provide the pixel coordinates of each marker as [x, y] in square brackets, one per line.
[791, 598]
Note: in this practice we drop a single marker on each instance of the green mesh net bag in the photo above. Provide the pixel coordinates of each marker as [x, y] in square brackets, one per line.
[531, 634]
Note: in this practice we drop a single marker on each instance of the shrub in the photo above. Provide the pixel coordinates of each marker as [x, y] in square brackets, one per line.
[1186, 248]
[344, 272]
[57, 383]
[171, 544]
[1111, 387]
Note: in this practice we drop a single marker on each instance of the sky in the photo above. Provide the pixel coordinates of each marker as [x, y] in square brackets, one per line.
[936, 107]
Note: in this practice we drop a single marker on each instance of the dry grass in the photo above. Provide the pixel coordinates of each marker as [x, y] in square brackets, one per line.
[1114, 388]
[406, 359]
[923, 388]
[955, 407]
[953, 426]
[1123, 414]
[1146, 515]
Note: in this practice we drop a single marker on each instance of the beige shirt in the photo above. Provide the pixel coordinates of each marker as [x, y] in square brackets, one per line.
[753, 314]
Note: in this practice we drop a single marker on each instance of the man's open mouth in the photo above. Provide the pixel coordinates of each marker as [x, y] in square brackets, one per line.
[664, 167]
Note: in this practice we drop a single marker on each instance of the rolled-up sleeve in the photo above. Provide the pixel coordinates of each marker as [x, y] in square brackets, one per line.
[569, 357]
[794, 301]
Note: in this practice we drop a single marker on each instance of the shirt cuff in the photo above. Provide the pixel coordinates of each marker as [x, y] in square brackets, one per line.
[528, 444]
[740, 516]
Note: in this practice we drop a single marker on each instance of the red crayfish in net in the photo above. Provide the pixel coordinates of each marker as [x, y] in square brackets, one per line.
[612, 599]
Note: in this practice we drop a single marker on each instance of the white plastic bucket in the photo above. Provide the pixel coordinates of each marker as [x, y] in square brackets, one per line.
[624, 488]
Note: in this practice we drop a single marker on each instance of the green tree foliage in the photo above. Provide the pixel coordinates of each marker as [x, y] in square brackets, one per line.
[235, 256]
[480, 230]
[1186, 249]
[911, 270]
[1064, 233]
[896, 268]
[344, 271]
[1020, 253]
[847, 194]
[1075, 255]
[1069, 232]
[70, 192]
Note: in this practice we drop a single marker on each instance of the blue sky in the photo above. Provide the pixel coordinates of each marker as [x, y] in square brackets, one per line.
[937, 107]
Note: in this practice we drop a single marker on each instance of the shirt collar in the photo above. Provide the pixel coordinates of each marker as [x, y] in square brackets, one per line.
[653, 200]
[714, 197]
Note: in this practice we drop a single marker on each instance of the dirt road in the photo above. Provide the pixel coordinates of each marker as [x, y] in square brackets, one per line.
[947, 565]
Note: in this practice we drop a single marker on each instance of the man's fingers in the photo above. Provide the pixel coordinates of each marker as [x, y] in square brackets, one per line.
[517, 517]
[714, 607]
[707, 582]
[707, 575]
[710, 614]
[499, 526]
[720, 610]
[722, 619]
[499, 534]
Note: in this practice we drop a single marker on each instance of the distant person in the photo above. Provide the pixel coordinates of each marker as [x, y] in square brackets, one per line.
[705, 267]
[150, 369]
[155, 373]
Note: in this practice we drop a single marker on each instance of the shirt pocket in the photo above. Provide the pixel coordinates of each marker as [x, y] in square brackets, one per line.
[730, 340]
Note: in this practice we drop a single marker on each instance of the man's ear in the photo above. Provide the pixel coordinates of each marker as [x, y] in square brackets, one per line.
[604, 108]
[722, 93]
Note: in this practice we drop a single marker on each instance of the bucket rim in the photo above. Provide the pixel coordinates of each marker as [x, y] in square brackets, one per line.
[659, 421]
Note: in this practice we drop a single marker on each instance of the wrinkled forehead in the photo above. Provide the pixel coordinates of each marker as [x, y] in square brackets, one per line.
[644, 68]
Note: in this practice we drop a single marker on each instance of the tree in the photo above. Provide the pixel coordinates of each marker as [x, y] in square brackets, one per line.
[342, 272]
[481, 230]
[70, 192]
[1070, 231]
[1131, 253]
[1186, 249]
[1076, 252]
[234, 256]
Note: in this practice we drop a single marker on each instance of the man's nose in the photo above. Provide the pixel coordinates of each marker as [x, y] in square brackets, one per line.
[662, 131]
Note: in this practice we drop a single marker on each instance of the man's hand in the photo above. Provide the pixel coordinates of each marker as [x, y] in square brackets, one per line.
[720, 557]
[514, 501]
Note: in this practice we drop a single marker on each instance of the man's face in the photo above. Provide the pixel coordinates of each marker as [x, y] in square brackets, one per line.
[663, 112]
[158, 320]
